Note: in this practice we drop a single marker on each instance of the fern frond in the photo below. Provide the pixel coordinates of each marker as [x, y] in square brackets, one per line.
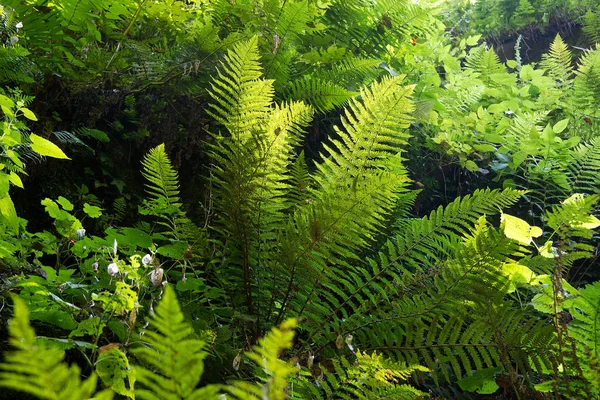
[15, 65]
[486, 63]
[38, 370]
[585, 329]
[272, 372]
[68, 138]
[558, 61]
[420, 245]
[370, 376]
[587, 82]
[175, 359]
[162, 177]
[323, 95]
[241, 98]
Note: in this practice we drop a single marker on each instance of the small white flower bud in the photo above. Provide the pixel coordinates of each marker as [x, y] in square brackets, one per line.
[80, 233]
[19, 25]
[113, 269]
[95, 266]
[147, 259]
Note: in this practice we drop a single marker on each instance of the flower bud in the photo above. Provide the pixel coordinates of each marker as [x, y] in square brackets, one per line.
[113, 269]
[147, 259]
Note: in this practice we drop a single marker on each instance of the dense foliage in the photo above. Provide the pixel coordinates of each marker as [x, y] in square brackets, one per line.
[271, 199]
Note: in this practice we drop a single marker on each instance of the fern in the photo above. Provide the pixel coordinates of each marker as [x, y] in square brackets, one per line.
[558, 62]
[323, 95]
[370, 376]
[485, 63]
[162, 178]
[587, 82]
[38, 370]
[585, 330]
[175, 357]
[276, 372]
[163, 190]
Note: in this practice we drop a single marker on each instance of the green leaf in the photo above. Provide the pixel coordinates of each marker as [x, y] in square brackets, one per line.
[511, 63]
[66, 204]
[6, 102]
[27, 113]
[114, 370]
[92, 211]
[45, 147]
[473, 40]
[15, 179]
[482, 381]
[519, 230]
[560, 125]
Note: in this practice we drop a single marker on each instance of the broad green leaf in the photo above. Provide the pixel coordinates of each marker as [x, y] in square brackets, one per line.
[15, 179]
[511, 63]
[27, 113]
[473, 40]
[92, 211]
[560, 125]
[6, 102]
[65, 204]
[114, 370]
[482, 381]
[519, 230]
[45, 147]
[546, 250]
[517, 273]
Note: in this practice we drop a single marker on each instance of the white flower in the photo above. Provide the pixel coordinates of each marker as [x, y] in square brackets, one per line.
[19, 25]
[80, 233]
[113, 269]
[147, 259]
[115, 247]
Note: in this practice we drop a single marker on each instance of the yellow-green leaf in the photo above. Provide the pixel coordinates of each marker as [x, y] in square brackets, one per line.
[27, 113]
[519, 230]
[45, 147]
[6, 101]
[15, 180]
[560, 125]
[546, 250]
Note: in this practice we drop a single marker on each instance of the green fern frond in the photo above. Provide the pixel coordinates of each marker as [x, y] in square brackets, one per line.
[323, 95]
[587, 82]
[163, 180]
[585, 329]
[370, 376]
[591, 25]
[584, 169]
[175, 359]
[38, 370]
[274, 373]
[486, 63]
[15, 65]
[558, 61]
[242, 99]
[69, 138]
[420, 245]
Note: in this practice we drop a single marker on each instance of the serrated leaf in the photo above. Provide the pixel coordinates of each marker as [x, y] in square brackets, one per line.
[92, 211]
[46, 148]
[65, 204]
[473, 40]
